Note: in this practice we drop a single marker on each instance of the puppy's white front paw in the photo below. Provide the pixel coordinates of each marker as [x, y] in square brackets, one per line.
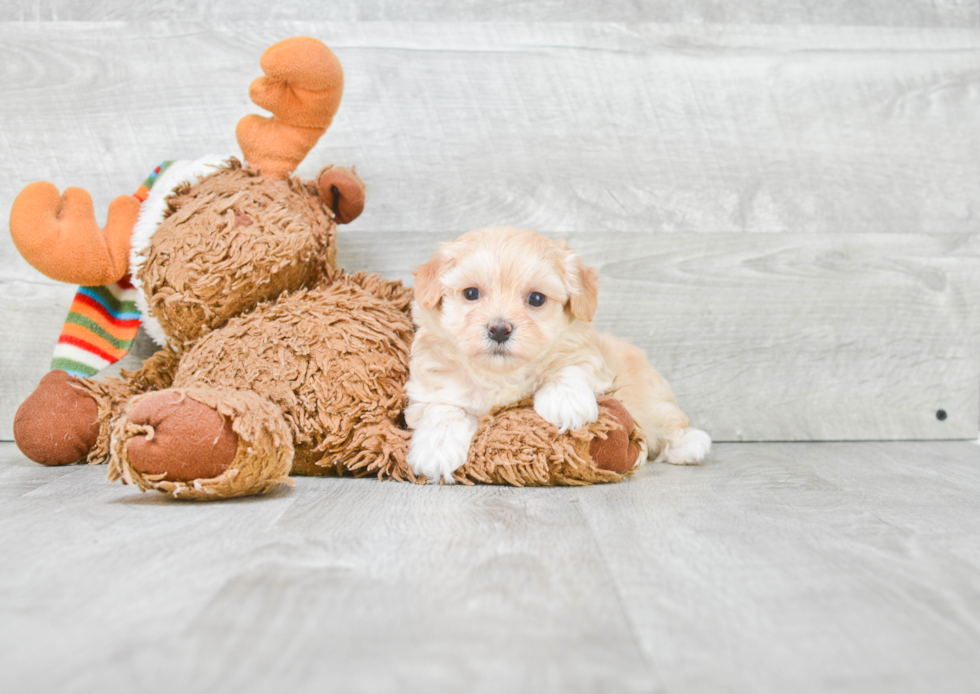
[438, 450]
[687, 449]
[568, 404]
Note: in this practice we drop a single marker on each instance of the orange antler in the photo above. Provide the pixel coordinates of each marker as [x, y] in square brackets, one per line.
[302, 87]
[58, 234]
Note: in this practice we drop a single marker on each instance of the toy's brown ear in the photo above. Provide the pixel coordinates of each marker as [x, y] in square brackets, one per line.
[302, 87]
[582, 285]
[343, 192]
[58, 235]
[428, 287]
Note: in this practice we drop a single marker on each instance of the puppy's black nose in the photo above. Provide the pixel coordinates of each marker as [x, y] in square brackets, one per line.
[500, 331]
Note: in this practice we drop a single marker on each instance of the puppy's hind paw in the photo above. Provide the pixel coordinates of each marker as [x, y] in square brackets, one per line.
[689, 448]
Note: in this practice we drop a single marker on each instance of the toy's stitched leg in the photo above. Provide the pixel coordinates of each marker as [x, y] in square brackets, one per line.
[240, 440]
[68, 420]
[514, 445]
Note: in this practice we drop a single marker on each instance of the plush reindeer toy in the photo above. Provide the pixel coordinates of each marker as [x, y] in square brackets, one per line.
[269, 355]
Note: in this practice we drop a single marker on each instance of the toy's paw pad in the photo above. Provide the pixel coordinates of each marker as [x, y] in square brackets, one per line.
[187, 439]
[689, 448]
[567, 404]
[343, 192]
[437, 451]
[616, 452]
[58, 423]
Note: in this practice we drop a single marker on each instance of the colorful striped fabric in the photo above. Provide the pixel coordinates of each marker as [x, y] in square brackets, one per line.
[99, 330]
[103, 321]
[144, 190]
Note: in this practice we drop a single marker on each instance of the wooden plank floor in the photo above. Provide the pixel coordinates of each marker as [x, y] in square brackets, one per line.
[846, 567]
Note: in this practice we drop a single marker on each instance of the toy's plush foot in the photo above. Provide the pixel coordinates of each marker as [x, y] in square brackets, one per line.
[183, 438]
[58, 423]
[616, 453]
[201, 443]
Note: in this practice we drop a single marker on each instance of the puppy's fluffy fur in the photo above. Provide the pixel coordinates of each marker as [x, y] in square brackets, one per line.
[459, 372]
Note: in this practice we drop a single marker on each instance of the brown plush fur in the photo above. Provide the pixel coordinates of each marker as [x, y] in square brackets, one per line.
[333, 359]
[231, 241]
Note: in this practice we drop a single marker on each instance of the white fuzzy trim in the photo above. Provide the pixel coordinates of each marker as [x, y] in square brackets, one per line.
[151, 214]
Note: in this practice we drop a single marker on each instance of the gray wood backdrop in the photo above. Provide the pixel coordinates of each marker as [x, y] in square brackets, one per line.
[782, 198]
[915, 13]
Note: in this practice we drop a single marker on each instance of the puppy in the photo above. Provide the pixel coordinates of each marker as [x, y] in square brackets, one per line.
[502, 313]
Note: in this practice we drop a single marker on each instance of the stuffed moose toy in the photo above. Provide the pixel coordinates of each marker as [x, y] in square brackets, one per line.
[272, 361]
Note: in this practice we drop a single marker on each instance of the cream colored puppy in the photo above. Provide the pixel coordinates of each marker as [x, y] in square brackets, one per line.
[503, 313]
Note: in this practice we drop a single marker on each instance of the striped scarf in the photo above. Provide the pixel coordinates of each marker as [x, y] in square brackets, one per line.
[102, 321]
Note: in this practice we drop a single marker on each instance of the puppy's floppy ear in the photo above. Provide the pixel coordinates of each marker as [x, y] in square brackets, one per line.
[582, 285]
[428, 288]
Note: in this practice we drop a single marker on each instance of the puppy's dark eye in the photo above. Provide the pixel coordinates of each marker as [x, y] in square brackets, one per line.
[535, 299]
[471, 293]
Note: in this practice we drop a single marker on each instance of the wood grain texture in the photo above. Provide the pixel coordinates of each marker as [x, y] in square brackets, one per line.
[918, 13]
[570, 127]
[351, 585]
[605, 134]
[808, 567]
[772, 568]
